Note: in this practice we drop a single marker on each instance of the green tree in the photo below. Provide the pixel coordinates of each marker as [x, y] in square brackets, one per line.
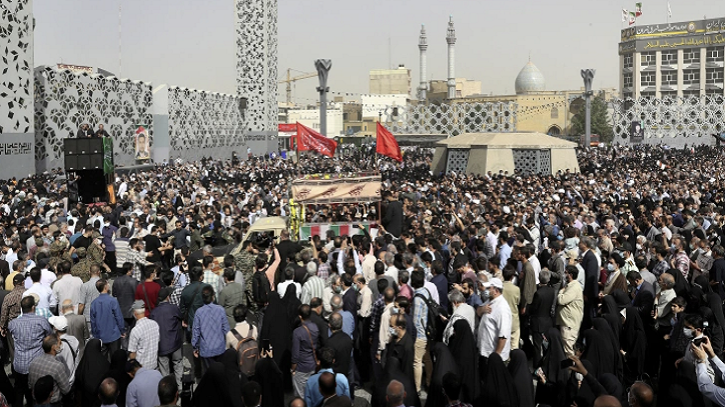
[601, 124]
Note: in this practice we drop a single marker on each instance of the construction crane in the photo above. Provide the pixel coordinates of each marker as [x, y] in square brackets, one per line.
[290, 80]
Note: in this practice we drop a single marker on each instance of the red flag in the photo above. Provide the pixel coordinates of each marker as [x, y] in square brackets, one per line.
[387, 145]
[309, 139]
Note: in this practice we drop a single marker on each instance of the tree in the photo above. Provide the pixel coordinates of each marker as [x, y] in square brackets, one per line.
[601, 124]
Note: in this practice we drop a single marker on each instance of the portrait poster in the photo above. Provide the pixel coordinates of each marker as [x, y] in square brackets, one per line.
[141, 143]
[636, 132]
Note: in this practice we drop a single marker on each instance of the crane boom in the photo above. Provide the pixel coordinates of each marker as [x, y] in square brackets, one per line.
[290, 80]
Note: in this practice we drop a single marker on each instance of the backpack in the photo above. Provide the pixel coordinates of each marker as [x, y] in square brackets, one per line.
[434, 326]
[247, 352]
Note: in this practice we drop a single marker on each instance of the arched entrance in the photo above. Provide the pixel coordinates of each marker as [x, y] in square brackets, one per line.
[554, 131]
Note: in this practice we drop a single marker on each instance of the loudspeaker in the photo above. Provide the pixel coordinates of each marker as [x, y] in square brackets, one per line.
[84, 162]
[91, 185]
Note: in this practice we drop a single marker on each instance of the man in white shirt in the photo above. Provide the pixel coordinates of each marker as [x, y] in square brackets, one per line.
[365, 296]
[536, 265]
[289, 273]
[494, 330]
[390, 269]
[46, 299]
[68, 286]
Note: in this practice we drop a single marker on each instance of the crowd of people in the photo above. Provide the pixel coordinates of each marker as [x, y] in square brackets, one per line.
[602, 287]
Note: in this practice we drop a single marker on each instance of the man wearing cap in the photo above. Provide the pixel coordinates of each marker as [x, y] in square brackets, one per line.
[68, 354]
[106, 318]
[171, 335]
[494, 330]
[143, 344]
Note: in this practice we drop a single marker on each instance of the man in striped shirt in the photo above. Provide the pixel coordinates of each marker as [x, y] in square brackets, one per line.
[314, 286]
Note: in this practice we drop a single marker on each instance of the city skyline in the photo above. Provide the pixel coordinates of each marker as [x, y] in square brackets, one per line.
[192, 44]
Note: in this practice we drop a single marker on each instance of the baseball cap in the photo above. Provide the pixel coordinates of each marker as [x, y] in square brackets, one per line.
[60, 323]
[494, 282]
[138, 305]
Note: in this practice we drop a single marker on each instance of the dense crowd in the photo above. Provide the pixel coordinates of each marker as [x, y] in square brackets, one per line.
[602, 287]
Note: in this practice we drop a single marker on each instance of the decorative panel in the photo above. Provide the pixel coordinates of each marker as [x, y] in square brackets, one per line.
[201, 121]
[64, 100]
[672, 121]
[256, 33]
[531, 161]
[451, 119]
[544, 162]
[457, 160]
[16, 67]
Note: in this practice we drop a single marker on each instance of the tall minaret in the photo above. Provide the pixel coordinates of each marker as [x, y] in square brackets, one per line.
[451, 39]
[423, 47]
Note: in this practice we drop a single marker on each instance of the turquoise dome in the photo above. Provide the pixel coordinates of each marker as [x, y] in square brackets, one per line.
[530, 79]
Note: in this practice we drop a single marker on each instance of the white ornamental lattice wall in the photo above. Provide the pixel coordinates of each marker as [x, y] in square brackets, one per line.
[204, 124]
[256, 36]
[64, 100]
[16, 88]
[670, 121]
[451, 120]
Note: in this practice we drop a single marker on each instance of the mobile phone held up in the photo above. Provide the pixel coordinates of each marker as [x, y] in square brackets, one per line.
[567, 363]
[697, 342]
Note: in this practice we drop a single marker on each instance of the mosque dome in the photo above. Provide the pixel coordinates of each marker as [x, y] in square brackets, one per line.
[530, 79]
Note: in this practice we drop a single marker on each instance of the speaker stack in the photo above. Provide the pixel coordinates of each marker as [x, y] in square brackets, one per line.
[84, 167]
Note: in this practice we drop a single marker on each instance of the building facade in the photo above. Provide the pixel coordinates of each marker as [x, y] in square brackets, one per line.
[16, 88]
[438, 89]
[256, 33]
[673, 60]
[390, 81]
[311, 119]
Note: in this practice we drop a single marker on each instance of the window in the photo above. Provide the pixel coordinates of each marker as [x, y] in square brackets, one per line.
[691, 92]
[691, 56]
[714, 75]
[647, 58]
[714, 54]
[669, 58]
[649, 79]
[628, 80]
[669, 93]
[691, 77]
[554, 113]
[669, 78]
[628, 61]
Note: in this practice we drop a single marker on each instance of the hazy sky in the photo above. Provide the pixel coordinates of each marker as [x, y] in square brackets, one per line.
[191, 42]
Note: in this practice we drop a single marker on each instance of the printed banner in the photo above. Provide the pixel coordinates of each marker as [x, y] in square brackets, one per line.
[341, 190]
[142, 143]
[340, 229]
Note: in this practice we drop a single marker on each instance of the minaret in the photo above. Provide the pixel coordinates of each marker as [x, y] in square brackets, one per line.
[451, 39]
[423, 47]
